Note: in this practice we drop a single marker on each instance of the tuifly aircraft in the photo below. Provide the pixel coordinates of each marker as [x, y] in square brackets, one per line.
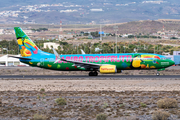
[94, 63]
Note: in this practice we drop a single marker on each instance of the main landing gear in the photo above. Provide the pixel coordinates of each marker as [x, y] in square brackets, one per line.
[95, 73]
[157, 73]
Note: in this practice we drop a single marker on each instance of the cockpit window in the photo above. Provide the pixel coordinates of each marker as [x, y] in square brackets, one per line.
[164, 58]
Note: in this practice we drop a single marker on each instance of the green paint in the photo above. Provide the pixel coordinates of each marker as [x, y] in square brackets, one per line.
[161, 69]
[58, 66]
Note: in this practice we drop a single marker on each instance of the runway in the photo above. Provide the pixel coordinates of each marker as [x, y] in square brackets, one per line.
[89, 77]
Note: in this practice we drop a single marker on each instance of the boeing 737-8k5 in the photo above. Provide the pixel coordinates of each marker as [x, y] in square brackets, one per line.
[104, 63]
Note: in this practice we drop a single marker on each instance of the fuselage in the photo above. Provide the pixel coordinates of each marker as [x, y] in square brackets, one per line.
[105, 63]
[126, 61]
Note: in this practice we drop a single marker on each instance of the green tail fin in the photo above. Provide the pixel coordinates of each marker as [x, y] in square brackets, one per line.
[26, 45]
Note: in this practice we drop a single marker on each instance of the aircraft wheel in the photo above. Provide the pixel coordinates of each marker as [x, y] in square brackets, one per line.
[157, 74]
[91, 73]
[95, 73]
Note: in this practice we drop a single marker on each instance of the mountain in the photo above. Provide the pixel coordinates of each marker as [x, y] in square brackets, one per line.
[86, 12]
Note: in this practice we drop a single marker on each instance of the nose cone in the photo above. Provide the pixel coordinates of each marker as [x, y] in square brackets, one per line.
[171, 62]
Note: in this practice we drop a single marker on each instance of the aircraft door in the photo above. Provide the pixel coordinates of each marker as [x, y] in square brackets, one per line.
[42, 61]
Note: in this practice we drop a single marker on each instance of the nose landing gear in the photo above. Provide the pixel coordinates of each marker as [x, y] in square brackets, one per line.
[95, 73]
[157, 73]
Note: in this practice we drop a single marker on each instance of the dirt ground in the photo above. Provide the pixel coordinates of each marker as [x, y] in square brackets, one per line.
[118, 99]
[123, 99]
[90, 85]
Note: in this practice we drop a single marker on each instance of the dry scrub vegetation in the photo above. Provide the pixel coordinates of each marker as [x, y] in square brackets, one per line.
[101, 116]
[167, 103]
[61, 101]
[39, 117]
[160, 115]
[81, 105]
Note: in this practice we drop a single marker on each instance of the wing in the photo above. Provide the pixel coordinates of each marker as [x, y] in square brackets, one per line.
[77, 63]
[82, 52]
[83, 64]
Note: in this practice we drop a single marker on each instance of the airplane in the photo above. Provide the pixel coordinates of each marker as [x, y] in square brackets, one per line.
[94, 63]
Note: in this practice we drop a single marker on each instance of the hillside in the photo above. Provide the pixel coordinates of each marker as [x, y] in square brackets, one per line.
[146, 27]
[86, 12]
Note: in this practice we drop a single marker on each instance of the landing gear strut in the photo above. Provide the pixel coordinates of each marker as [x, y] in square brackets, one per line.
[157, 73]
[95, 73]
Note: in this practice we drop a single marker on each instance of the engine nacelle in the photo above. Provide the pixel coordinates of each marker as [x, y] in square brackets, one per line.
[108, 69]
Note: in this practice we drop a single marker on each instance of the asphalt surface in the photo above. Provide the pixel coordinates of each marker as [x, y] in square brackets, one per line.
[86, 76]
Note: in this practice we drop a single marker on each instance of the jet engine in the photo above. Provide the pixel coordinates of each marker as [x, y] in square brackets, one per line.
[109, 69]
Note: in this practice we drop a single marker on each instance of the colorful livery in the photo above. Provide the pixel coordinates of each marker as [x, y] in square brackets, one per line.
[104, 63]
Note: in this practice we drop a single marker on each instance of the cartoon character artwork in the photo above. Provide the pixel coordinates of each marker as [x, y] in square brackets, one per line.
[144, 61]
[136, 62]
[27, 47]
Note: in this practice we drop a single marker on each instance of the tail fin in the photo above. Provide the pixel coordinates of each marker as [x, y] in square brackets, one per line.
[26, 45]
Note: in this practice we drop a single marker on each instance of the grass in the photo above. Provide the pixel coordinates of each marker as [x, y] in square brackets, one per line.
[167, 103]
[160, 115]
[101, 116]
[61, 101]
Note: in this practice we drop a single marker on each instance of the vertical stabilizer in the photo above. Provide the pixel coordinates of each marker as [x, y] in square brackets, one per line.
[26, 45]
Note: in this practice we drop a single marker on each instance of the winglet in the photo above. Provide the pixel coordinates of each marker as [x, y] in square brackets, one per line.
[82, 52]
[58, 58]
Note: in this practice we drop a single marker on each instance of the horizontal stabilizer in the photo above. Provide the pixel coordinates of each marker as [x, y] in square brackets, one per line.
[20, 58]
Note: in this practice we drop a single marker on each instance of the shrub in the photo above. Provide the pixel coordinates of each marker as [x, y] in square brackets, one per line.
[178, 114]
[160, 115]
[42, 90]
[143, 104]
[101, 117]
[167, 103]
[39, 117]
[61, 101]
[105, 105]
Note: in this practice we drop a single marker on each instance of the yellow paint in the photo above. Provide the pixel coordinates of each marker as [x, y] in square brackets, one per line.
[30, 63]
[136, 63]
[24, 53]
[152, 67]
[108, 69]
[49, 65]
[19, 42]
[147, 66]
